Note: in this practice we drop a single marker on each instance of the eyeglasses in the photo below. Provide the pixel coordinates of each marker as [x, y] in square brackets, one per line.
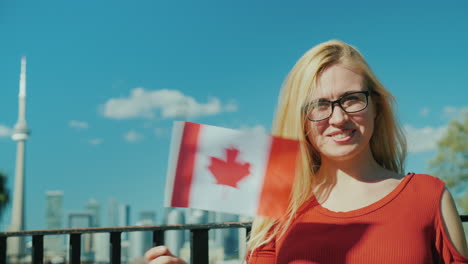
[350, 103]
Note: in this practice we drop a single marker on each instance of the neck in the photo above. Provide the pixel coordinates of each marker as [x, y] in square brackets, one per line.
[361, 168]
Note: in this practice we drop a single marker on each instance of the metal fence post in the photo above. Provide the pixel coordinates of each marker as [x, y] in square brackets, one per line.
[158, 238]
[3, 247]
[38, 249]
[115, 247]
[199, 246]
[75, 248]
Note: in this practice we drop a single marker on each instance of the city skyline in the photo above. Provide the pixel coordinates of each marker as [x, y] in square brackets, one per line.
[224, 243]
[103, 91]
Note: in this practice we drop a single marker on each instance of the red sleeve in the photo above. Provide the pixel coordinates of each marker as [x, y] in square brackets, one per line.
[447, 253]
[265, 254]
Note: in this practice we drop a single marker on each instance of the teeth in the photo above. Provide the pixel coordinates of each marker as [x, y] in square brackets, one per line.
[342, 135]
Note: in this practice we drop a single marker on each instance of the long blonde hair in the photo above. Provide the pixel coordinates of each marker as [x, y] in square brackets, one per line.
[388, 144]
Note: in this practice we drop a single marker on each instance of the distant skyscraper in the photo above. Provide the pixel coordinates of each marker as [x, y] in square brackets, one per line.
[140, 241]
[101, 248]
[54, 219]
[124, 215]
[112, 216]
[124, 220]
[243, 237]
[83, 219]
[93, 207]
[148, 215]
[166, 212]
[197, 216]
[20, 134]
[228, 237]
[174, 239]
[80, 219]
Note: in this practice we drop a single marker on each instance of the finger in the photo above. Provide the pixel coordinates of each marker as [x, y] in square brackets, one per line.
[157, 252]
[166, 260]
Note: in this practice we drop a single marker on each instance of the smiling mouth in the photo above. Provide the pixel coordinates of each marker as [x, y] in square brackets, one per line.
[343, 134]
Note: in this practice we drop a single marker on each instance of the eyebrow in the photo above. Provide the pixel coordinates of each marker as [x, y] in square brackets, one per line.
[341, 95]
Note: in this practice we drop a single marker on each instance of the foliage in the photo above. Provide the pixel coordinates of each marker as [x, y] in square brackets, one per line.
[462, 201]
[4, 194]
[451, 161]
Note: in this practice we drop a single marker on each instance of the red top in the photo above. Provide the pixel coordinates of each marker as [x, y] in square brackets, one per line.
[403, 227]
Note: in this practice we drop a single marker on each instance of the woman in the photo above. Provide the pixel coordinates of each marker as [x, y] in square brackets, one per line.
[351, 202]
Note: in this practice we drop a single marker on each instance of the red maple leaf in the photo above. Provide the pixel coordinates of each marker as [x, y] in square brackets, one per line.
[229, 172]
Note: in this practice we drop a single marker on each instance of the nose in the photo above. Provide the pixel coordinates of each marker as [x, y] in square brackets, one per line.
[339, 116]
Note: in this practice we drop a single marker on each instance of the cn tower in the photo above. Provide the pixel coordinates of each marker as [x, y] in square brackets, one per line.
[20, 135]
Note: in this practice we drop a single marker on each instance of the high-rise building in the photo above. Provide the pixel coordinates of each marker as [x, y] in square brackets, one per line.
[228, 237]
[174, 239]
[80, 219]
[83, 219]
[140, 241]
[20, 134]
[93, 207]
[124, 215]
[112, 217]
[243, 237]
[197, 216]
[166, 212]
[101, 248]
[148, 215]
[124, 220]
[54, 218]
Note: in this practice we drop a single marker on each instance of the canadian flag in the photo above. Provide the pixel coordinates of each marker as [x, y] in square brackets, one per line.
[240, 172]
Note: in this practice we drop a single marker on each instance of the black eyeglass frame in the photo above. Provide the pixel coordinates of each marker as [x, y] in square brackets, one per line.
[338, 101]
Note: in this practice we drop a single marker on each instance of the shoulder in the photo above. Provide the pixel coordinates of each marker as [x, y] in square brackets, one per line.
[424, 192]
[427, 184]
[446, 219]
[427, 179]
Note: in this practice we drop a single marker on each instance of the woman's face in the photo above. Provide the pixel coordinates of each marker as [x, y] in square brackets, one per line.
[343, 135]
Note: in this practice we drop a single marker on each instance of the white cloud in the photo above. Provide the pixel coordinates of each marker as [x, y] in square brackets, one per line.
[133, 136]
[78, 124]
[159, 132]
[95, 141]
[230, 107]
[256, 129]
[5, 131]
[423, 139]
[452, 112]
[449, 110]
[170, 103]
[424, 111]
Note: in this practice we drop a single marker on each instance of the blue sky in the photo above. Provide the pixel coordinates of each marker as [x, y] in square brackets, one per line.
[104, 77]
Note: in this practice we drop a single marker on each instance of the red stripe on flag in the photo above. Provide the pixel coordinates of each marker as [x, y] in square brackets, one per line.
[185, 165]
[279, 177]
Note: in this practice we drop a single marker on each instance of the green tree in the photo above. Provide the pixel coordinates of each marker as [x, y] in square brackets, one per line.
[451, 161]
[4, 194]
[462, 201]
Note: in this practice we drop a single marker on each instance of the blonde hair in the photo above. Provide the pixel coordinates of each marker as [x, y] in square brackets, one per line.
[388, 144]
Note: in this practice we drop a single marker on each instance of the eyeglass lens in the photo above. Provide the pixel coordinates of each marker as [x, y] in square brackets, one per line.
[350, 103]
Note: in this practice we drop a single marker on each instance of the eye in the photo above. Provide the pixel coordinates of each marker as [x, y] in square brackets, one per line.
[353, 98]
[320, 104]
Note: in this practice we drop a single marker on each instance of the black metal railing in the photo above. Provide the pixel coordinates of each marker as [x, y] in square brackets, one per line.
[198, 240]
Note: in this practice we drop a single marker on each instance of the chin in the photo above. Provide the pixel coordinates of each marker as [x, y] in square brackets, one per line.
[342, 155]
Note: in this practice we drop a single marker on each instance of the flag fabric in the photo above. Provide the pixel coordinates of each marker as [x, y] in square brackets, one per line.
[225, 170]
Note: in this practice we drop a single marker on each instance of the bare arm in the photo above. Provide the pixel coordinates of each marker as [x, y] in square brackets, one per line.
[453, 224]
